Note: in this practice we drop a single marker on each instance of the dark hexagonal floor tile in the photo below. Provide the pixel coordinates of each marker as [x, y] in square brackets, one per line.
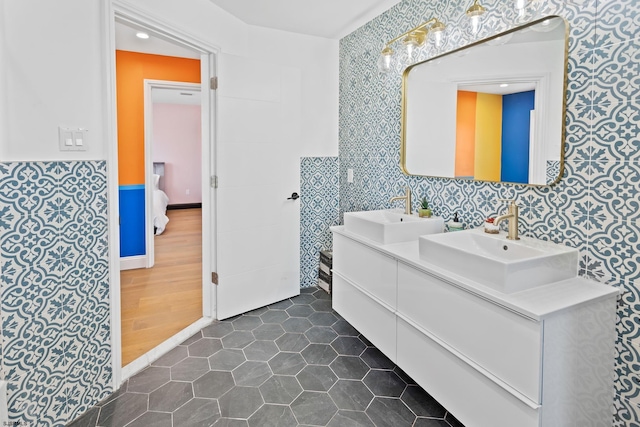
[322, 294]
[349, 367]
[342, 327]
[238, 339]
[193, 338]
[189, 369]
[287, 363]
[388, 412]
[453, 421]
[217, 330]
[213, 384]
[314, 408]
[152, 419]
[308, 290]
[256, 312]
[123, 410]
[268, 331]
[149, 380]
[205, 347]
[384, 383]
[228, 422]
[240, 402]
[348, 346]
[321, 334]
[316, 378]
[280, 389]
[281, 305]
[351, 394]
[365, 341]
[227, 360]
[170, 396]
[274, 316]
[350, 419]
[376, 359]
[197, 413]
[260, 350]
[322, 305]
[403, 375]
[300, 311]
[273, 415]
[292, 342]
[430, 422]
[323, 318]
[251, 373]
[319, 354]
[246, 323]
[296, 324]
[303, 299]
[172, 357]
[421, 403]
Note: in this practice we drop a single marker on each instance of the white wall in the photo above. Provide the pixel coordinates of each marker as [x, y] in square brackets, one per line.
[54, 74]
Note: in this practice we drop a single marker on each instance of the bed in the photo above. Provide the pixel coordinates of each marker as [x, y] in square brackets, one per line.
[160, 202]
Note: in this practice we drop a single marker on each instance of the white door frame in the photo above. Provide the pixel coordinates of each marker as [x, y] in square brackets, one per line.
[149, 85]
[116, 9]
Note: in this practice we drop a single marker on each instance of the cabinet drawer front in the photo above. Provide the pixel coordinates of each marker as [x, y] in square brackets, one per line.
[371, 319]
[470, 396]
[369, 269]
[501, 342]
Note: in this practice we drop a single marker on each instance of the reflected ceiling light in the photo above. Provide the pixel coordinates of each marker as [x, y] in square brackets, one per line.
[504, 85]
[411, 40]
[475, 13]
[142, 35]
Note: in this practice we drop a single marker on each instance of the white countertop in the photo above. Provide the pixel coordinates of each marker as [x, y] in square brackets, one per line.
[536, 303]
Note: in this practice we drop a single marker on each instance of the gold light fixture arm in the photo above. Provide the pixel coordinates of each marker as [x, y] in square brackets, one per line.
[420, 32]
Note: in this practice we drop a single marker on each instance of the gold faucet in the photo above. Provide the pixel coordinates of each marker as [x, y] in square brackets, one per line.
[512, 216]
[407, 200]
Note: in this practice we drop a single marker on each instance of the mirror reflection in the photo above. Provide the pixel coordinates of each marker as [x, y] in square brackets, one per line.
[493, 111]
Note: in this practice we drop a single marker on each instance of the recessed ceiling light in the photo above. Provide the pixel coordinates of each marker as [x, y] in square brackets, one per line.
[504, 85]
[142, 35]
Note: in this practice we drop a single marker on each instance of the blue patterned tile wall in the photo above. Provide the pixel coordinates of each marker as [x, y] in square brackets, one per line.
[319, 210]
[596, 205]
[54, 289]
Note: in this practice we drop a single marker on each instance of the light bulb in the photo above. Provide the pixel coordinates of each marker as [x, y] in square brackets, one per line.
[384, 62]
[410, 45]
[521, 6]
[475, 24]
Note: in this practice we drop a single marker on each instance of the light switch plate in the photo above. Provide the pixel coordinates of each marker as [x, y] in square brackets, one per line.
[72, 138]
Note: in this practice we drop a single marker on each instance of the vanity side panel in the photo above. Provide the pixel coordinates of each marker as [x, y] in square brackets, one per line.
[578, 375]
[470, 396]
[371, 270]
[370, 318]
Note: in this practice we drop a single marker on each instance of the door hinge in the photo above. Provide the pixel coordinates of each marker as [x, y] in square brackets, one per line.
[214, 181]
[214, 278]
[214, 83]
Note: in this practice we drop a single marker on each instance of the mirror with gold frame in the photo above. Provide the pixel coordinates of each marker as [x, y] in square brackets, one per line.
[491, 111]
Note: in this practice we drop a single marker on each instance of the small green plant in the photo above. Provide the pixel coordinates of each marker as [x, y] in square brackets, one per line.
[425, 210]
[424, 203]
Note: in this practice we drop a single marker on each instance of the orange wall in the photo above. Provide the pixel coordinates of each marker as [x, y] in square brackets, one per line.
[465, 133]
[131, 70]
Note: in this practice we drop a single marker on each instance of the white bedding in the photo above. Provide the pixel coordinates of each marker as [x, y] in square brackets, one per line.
[160, 202]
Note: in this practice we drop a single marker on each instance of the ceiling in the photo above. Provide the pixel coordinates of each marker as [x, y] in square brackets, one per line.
[332, 19]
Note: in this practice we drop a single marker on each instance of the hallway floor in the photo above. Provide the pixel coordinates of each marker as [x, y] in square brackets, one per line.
[293, 363]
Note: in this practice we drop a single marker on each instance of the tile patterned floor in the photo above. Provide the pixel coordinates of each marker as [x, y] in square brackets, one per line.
[293, 363]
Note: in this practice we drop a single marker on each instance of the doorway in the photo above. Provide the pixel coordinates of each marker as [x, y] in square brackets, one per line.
[202, 233]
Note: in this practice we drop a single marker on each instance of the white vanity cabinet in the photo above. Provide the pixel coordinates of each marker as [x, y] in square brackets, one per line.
[537, 358]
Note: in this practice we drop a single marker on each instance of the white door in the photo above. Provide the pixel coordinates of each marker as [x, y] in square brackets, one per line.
[258, 168]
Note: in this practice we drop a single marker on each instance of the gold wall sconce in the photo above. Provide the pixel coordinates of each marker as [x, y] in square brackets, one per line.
[418, 36]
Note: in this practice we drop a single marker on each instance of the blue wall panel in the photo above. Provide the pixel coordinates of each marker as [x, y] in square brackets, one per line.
[516, 121]
[132, 220]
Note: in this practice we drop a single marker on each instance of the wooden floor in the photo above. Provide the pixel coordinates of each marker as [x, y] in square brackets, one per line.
[159, 302]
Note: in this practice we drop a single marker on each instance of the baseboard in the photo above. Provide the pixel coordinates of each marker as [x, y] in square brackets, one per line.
[185, 206]
[133, 262]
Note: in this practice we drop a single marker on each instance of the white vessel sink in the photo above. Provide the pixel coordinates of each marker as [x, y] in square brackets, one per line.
[390, 226]
[504, 265]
